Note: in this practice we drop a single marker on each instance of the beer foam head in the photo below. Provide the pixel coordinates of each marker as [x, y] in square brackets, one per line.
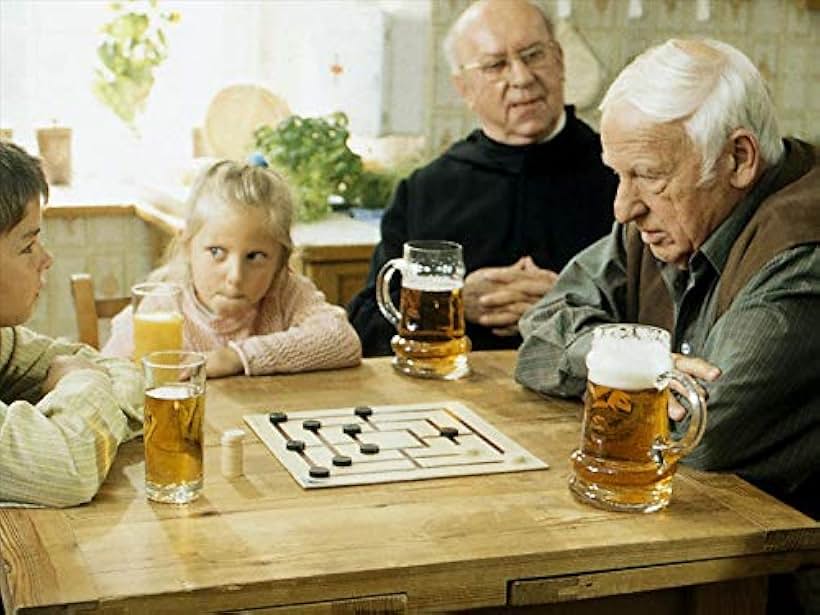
[159, 318]
[172, 392]
[431, 283]
[629, 363]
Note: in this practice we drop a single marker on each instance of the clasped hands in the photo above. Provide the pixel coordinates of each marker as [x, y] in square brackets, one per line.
[497, 297]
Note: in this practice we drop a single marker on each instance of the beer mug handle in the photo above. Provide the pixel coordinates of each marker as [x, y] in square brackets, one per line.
[671, 451]
[386, 306]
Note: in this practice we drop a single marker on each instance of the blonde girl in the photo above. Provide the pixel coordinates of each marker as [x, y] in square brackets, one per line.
[242, 304]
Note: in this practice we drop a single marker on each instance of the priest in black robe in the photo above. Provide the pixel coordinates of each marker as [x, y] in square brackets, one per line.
[523, 194]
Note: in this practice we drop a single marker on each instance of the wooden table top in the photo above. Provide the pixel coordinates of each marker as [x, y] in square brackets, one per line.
[261, 540]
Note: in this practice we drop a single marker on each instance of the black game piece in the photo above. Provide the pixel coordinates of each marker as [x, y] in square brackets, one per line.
[448, 432]
[363, 411]
[277, 417]
[295, 445]
[342, 460]
[312, 425]
[352, 429]
[318, 472]
[369, 449]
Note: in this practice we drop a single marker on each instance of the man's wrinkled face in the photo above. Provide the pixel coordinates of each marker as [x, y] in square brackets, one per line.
[659, 170]
[24, 264]
[513, 75]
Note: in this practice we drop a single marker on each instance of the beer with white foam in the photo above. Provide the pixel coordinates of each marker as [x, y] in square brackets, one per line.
[626, 460]
[430, 340]
[431, 327]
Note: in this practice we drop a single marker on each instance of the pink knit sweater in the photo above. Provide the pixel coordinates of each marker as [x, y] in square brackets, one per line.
[292, 329]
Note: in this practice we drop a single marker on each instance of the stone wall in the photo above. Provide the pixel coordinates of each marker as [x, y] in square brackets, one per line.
[780, 36]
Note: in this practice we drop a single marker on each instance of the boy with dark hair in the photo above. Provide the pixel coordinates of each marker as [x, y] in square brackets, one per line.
[64, 409]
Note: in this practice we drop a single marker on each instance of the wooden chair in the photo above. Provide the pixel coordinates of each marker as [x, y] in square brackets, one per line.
[89, 309]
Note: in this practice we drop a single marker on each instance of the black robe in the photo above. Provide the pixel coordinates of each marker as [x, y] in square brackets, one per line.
[500, 202]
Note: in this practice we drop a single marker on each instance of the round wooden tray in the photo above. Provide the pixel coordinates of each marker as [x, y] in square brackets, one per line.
[234, 113]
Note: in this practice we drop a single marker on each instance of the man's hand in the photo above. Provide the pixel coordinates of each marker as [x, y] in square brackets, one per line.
[699, 369]
[63, 365]
[223, 362]
[497, 297]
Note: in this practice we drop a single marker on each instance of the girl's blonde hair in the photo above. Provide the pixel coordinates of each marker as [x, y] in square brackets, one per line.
[236, 185]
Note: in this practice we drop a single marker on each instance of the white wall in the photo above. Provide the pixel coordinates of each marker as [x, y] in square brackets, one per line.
[48, 51]
[329, 56]
[408, 65]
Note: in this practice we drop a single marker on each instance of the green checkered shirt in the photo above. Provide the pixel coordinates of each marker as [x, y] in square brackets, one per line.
[56, 449]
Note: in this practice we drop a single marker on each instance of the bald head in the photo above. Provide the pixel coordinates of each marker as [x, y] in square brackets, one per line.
[508, 69]
[481, 13]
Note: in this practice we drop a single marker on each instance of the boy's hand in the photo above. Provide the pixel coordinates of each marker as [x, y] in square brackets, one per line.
[63, 365]
[223, 362]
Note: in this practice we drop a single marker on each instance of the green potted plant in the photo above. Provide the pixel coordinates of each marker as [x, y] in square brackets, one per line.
[133, 46]
[373, 188]
[313, 153]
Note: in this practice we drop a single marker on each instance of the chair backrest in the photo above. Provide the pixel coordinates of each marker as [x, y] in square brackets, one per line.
[89, 310]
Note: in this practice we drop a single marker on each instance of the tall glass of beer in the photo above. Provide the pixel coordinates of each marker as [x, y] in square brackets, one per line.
[157, 309]
[172, 428]
[627, 456]
[431, 342]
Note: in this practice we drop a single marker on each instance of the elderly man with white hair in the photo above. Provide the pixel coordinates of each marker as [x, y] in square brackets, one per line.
[523, 194]
[716, 240]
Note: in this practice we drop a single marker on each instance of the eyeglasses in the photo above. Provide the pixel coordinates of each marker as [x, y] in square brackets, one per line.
[537, 56]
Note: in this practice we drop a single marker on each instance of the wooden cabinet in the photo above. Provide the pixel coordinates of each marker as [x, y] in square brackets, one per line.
[335, 253]
[708, 587]
[339, 272]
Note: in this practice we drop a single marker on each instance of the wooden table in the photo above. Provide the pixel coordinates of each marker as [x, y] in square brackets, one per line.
[261, 542]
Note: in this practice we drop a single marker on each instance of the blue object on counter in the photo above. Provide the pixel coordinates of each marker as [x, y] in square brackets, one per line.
[371, 216]
[257, 159]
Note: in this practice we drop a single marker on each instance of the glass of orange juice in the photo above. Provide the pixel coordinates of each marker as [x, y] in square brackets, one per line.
[158, 319]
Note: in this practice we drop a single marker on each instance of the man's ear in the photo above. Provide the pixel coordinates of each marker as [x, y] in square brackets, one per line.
[745, 158]
[461, 87]
[560, 53]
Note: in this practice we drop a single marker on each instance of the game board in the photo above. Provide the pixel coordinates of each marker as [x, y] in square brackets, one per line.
[379, 444]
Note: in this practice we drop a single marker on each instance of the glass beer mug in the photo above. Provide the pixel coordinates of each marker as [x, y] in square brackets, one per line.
[157, 310]
[627, 458]
[431, 342]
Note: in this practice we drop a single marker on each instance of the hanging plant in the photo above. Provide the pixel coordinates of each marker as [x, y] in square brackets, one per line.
[133, 46]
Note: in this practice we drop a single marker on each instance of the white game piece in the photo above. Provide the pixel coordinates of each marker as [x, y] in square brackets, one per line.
[232, 452]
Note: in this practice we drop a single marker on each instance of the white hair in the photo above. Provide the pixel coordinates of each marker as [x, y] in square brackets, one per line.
[709, 84]
[455, 31]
